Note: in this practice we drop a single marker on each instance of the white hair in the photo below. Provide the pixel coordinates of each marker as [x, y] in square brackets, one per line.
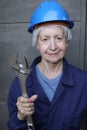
[36, 32]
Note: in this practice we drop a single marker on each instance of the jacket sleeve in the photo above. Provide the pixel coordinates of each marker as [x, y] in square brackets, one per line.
[13, 122]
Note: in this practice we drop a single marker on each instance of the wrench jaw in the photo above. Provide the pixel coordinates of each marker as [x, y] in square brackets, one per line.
[21, 67]
[22, 70]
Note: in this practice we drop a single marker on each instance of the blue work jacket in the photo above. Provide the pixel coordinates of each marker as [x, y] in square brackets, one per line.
[67, 108]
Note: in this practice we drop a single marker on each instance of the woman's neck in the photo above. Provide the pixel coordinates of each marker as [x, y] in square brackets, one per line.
[51, 70]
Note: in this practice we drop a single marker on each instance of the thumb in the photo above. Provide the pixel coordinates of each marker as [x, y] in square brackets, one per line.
[33, 98]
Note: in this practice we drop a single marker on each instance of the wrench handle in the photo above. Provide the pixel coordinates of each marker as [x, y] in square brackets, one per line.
[22, 80]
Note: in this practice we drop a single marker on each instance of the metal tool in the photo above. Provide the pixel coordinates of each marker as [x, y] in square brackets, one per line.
[22, 72]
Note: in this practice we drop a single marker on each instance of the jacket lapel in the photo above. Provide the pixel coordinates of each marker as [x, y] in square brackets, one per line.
[58, 95]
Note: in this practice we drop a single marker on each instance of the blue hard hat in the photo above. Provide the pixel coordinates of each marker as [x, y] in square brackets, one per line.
[49, 11]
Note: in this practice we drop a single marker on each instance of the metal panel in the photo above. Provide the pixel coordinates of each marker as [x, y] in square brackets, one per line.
[83, 33]
[73, 51]
[21, 10]
[3, 116]
[86, 41]
[86, 51]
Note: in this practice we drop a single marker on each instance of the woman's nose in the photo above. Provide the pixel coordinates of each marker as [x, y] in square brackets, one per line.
[53, 45]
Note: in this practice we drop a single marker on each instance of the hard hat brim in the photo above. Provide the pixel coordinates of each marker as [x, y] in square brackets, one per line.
[68, 24]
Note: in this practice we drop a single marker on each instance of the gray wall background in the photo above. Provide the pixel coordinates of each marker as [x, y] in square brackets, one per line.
[14, 18]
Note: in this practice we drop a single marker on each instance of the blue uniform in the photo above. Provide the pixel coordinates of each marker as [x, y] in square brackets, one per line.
[67, 108]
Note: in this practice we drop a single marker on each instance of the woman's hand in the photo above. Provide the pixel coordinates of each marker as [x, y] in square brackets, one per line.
[25, 106]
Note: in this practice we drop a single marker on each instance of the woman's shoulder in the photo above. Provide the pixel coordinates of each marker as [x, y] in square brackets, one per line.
[78, 72]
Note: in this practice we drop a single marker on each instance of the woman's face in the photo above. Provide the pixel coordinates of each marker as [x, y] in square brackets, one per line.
[52, 44]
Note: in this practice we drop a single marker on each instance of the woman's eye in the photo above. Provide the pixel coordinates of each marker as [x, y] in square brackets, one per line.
[59, 38]
[44, 40]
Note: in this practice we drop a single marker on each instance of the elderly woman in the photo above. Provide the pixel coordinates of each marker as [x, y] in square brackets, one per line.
[57, 90]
